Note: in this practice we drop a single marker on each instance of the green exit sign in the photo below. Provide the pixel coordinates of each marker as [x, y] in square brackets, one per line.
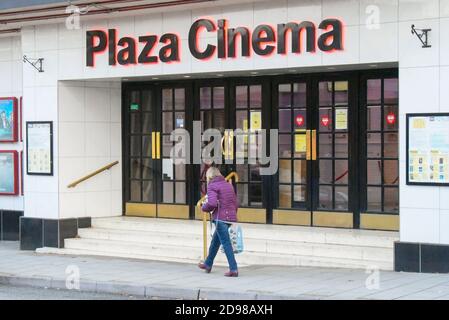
[134, 106]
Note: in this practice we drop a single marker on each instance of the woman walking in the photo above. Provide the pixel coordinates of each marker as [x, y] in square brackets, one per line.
[222, 200]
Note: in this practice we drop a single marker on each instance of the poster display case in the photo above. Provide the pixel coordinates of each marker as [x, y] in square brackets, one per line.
[428, 149]
[39, 137]
[9, 172]
[9, 124]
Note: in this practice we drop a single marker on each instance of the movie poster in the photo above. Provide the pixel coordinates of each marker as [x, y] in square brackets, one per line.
[8, 172]
[8, 120]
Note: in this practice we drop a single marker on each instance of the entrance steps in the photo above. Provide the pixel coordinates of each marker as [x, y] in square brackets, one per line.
[181, 241]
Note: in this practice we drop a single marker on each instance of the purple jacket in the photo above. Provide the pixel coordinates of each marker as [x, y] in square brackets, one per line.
[219, 190]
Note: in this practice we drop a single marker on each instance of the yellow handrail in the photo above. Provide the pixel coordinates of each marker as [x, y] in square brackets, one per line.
[198, 204]
[107, 167]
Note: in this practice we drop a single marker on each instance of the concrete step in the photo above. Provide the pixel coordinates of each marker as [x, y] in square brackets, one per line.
[351, 237]
[193, 255]
[251, 244]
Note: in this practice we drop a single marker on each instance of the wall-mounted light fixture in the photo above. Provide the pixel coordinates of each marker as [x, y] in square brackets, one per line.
[422, 35]
[36, 63]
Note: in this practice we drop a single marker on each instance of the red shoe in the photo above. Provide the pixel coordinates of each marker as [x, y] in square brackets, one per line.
[232, 274]
[201, 265]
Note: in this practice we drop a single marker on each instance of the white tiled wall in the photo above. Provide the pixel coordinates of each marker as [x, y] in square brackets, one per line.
[90, 138]
[11, 86]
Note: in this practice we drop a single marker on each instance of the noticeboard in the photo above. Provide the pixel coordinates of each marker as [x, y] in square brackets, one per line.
[39, 148]
[428, 149]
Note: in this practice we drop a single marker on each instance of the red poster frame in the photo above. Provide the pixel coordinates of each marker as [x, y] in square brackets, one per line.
[16, 173]
[15, 121]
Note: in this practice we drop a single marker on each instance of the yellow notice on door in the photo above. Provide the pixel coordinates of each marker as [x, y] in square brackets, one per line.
[419, 123]
[256, 120]
[341, 119]
[300, 143]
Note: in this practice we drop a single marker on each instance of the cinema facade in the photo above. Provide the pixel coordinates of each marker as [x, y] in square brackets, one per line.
[337, 79]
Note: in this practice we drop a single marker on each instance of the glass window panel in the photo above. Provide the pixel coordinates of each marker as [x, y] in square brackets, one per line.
[391, 145]
[284, 96]
[300, 118]
[180, 171]
[241, 118]
[391, 200]
[391, 174]
[341, 145]
[205, 98]
[219, 120]
[391, 93]
[325, 145]
[180, 99]
[374, 199]
[167, 169]
[300, 174]
[147, 125]
[285, 148]
[325, 197]
[341, 172]
[374, 89]
[136, 142]
[206, 120]
[146, 146]
[167, 192]
[166, 145]
[325, 93]
[299, 95]
[135, 123]
[242, 192]
[147, 102]
[341, 198]
[374, 172]
[374, 145]
[255, 96]
[180, 120]
[242, 171]
[300, 145]
[180, 192]
[326, 118]
[374, 115]
[255, 172]
[326, 171]
[391, 118]
[134, 168]
[285, 120]
[147, 191]
[285, 171]
[135, 190]
[167, 99]
[241, 97]
[147, 169]
[299, 193]
[341, 92]
[219, 97]
[285, 196]
[167, 122]
[255, 194]
[135, 97]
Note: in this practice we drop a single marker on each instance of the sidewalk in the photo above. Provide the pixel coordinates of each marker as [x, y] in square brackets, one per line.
[185, 281]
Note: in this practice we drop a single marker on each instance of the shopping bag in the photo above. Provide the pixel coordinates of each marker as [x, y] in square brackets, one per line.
[236, 237]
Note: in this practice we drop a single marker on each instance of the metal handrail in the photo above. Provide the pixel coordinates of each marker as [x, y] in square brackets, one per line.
[107, 167]
[198, 204]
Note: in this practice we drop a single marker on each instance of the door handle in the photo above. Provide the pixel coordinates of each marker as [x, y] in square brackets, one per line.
[158, 142]
[314, 145]
[308, 146]
[153, 145]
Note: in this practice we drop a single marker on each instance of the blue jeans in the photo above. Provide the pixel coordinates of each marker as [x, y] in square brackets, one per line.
[221, 236]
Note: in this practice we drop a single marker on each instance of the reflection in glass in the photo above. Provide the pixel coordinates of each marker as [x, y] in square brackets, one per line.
[391, 145]
[146, 146]
[285, 120]
[255, 96]
[147, 127]
[341, 198]
[147, 170]
[255, 194]
[135, 146]
[285, 196]
[326, 171]
[180, 172]
[341, 92]
[135, 168]
[167, 145]
[285, 171]
[325, 93]
[374, 87]
[325, 145]
[373, 173]
[180, 99]
[242, 171]
[167, 192]
[391, 93]
[391, 200]
[284, 96]
[341, 172]
[374, 145]
[325, 197]
[167, 99]
[241, 97]
[147, 103]
[179, 120]
[341, 145]
[167, 169]
[135, 191]
[300, 175]
[148, 192]
[391, 174]
[167, 122]
[374, 198]
[180, 192]
[285, 150]
[205, 98]
[242, 193]
[299, 95]
[219, 97]
[135, 123]
[374, 118]
[299, 193]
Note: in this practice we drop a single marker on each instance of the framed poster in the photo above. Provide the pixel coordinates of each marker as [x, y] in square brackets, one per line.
[9, 173]
[8, 119]
[428, 149]
[39, 140]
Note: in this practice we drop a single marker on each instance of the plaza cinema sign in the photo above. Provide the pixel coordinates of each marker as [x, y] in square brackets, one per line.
[264, 40]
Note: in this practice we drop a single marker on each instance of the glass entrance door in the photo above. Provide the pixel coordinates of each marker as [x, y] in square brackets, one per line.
[313, 183]
[154, 185]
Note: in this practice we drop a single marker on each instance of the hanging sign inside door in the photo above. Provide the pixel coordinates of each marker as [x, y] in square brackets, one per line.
[341, 119]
